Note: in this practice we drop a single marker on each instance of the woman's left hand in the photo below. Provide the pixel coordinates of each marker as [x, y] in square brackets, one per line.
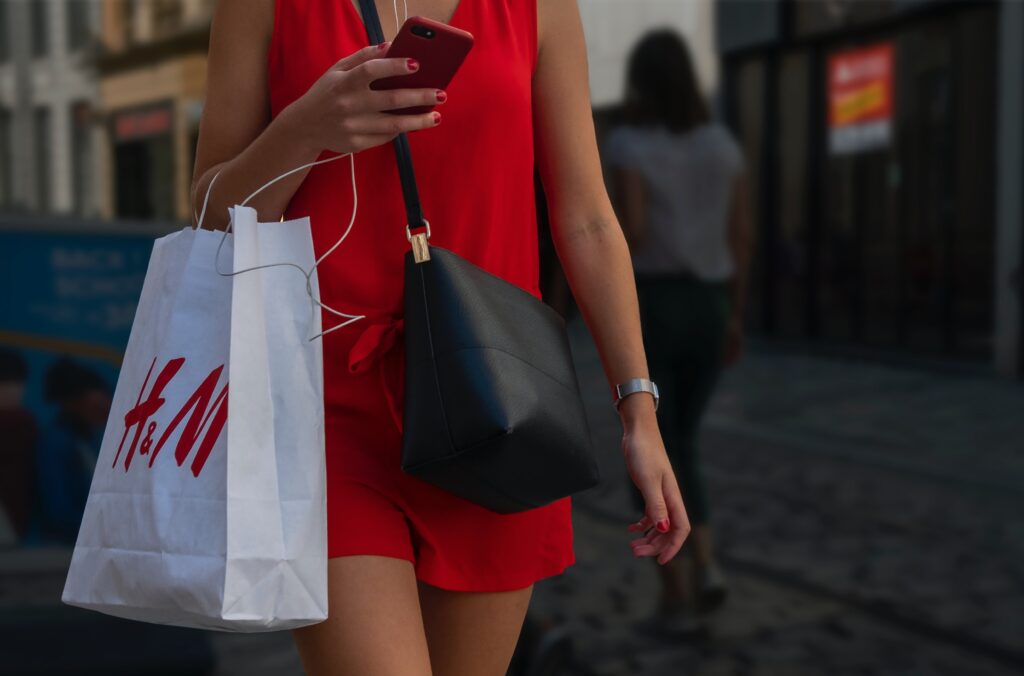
[651, 471]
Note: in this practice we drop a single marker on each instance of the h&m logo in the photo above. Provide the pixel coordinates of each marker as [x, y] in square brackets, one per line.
[204, 410]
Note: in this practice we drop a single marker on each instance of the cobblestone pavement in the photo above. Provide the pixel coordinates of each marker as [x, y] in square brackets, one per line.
[870, 520]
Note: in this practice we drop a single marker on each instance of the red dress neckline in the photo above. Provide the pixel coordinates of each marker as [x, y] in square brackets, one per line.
[362, 31]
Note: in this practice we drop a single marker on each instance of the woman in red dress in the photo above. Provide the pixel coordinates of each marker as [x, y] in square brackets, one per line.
[421, 581]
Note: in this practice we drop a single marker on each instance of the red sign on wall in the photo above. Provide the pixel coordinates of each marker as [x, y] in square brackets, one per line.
[860, 93]
[140, 124]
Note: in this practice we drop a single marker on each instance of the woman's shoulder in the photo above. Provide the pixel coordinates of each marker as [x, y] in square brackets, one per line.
[241, 26]
[252, 16]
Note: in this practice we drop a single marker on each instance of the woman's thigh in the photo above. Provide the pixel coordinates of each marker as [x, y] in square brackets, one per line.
[374, 625]
[472, 632]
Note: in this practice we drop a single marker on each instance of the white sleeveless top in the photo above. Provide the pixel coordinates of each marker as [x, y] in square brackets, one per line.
[690, 179]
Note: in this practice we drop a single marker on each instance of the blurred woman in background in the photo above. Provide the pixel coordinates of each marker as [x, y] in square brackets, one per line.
[676, 181]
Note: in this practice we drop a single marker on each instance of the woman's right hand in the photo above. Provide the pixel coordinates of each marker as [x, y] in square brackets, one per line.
[342, 114]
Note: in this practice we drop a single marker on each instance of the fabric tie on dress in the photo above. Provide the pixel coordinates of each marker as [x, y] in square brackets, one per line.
[372, 347]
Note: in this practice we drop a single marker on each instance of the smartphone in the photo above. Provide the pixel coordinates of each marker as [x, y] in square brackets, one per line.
[440, 50]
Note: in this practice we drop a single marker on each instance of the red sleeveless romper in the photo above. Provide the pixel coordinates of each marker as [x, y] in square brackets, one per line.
[476, 178]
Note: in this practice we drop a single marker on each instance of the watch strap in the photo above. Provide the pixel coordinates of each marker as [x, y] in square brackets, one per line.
[634, 385]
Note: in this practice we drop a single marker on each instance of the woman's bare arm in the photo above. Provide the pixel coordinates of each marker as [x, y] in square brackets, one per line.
[584, 228]
[234, 136]
[593, 251]
[238, 139]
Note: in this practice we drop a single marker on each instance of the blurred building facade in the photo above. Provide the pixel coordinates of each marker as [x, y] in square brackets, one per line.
[48, 92]
[152, 79]
[884, 141]
[100, 100]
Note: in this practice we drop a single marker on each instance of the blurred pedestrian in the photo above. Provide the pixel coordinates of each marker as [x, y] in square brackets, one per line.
[677, 184]
[19, 433]
[68, 447]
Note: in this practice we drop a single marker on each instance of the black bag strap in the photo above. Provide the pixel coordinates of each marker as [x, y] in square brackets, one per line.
[413, 210]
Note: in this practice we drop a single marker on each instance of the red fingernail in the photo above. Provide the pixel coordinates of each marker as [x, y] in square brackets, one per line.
[382, 46]
[413, 64]
[662, 525]
[441, 96]
[437, 117]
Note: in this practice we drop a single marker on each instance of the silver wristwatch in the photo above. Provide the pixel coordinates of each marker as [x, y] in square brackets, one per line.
[633, 385]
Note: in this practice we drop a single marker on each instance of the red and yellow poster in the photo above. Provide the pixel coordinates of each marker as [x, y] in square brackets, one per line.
[860, 93]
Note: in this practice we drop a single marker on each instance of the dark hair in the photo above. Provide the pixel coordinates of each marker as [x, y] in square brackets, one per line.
[13, 368]
[662, 86]
[67, 380]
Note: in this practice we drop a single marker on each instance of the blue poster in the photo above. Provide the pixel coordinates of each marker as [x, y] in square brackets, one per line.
[65, 316]
[70, 294]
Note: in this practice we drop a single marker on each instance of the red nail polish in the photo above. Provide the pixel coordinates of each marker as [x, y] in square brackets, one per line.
[662, 526]
[441, 96]
[382, 46]
[413, 64]
[437, 117]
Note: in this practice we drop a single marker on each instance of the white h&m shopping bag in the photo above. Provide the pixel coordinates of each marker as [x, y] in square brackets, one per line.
[208, 504]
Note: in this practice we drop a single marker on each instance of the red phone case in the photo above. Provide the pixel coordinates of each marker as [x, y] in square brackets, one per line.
[439, 56]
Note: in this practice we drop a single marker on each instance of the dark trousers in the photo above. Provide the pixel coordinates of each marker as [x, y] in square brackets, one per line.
[684, 321]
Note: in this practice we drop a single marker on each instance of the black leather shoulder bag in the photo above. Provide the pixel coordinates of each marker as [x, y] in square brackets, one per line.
[492, 403]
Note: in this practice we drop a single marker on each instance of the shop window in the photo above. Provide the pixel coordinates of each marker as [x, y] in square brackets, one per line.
[5, 44]
[81, 156]
[38, 16]
[126, 9]
[77, 23]
[144, 163]
[818, 16]
[748, 125]
[41, 134]
[886, 242]
[167, 16]
[790, 264]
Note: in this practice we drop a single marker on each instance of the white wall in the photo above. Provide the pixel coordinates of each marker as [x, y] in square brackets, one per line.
[613, 26]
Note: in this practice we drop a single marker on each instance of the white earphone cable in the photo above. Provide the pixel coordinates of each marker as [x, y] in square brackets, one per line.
[405, 7]
[307, 274]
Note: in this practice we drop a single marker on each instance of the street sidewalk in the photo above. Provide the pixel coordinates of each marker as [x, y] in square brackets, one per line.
[869, 517]
[870, 520]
